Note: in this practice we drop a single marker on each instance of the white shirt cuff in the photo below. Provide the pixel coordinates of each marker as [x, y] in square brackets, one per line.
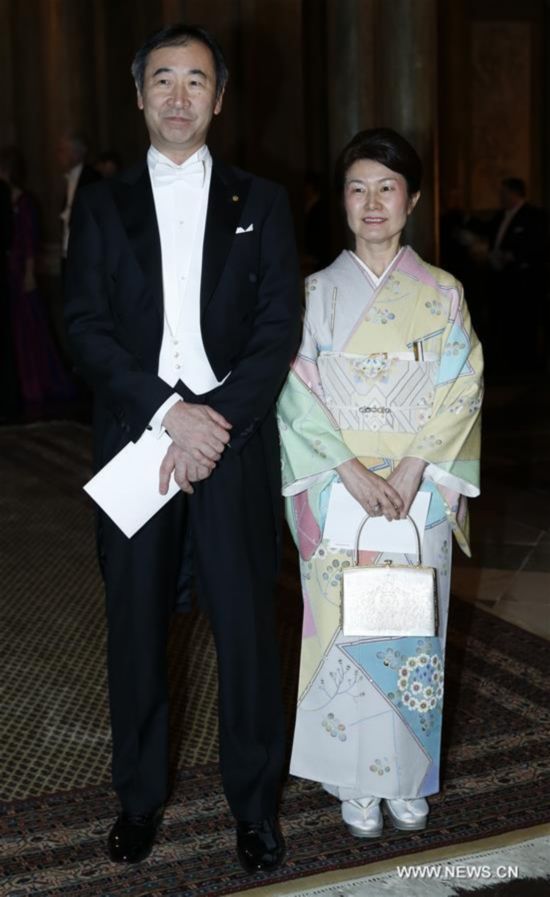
[450, 481]
[156, 421]
[306, 483]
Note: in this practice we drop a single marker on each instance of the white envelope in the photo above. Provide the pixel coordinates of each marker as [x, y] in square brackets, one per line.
[127, 488]
[344, 515]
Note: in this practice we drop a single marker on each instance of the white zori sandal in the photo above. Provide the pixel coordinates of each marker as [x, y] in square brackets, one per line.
[363, 817]
[408, 815]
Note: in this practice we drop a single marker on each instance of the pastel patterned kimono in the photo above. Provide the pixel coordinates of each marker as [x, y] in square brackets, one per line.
[384, 371]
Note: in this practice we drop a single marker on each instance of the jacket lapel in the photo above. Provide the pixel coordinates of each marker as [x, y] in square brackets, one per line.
[226, 200]
[134, 198]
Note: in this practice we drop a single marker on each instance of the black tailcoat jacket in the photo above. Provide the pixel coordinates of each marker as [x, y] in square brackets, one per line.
[250, 311]
[250, 304]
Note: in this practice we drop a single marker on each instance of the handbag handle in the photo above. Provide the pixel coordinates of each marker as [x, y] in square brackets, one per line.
[365, 520]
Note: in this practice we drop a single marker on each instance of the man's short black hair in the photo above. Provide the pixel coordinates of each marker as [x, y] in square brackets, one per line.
[179, 36]
[515, 185]
[386, 146]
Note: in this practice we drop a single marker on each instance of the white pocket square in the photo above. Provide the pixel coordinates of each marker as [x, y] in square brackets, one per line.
[245, 230]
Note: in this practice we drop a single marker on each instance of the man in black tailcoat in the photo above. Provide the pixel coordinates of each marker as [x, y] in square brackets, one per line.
[182, 308]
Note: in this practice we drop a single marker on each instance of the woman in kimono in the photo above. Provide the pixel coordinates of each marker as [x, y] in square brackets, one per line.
[384, 397]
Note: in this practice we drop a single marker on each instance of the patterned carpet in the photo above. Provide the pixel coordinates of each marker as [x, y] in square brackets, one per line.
[54, 751]
[52, 613]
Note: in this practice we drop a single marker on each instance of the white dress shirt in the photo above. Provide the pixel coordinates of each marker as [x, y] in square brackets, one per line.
[507, 218]
[71, 177]
[180, 193]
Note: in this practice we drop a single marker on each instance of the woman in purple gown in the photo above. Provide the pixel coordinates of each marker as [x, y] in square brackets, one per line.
[40, 371]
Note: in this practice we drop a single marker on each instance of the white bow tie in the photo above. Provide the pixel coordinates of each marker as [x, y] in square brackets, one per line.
[165, 175]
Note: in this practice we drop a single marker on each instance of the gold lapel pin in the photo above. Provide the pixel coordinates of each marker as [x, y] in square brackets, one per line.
[235, 198]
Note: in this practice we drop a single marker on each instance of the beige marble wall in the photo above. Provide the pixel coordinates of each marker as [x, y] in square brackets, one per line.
[501, 110]
[492, 117]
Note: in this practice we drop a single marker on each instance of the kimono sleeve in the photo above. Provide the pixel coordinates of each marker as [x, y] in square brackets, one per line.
[450, 440]
[311, 442]
[311, 446]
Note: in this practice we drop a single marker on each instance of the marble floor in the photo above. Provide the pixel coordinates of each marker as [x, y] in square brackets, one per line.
[509, 571]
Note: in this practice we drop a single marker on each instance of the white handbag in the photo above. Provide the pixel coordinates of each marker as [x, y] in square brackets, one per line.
[389, 599]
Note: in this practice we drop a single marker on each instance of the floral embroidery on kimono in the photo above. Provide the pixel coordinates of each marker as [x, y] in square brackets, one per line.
[384, 371]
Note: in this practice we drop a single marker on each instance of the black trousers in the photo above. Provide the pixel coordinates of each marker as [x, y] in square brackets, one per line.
[232, 523]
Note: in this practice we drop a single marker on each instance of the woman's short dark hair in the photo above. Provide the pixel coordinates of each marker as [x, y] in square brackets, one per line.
[386, 146]
[179, 36]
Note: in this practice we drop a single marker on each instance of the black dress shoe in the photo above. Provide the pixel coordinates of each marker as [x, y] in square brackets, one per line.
[131, 837]
[260, 845]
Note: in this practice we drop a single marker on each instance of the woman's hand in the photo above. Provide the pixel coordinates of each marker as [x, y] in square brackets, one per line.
[406, 479]
[376, 495]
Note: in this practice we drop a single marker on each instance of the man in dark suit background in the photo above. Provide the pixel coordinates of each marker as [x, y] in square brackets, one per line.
[518, 230]
[517, 257]
[72, 151]
[182, 307]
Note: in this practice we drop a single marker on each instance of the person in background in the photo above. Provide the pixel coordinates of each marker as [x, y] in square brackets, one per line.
[517, 259]
[518, 232]
[384, 396]
[72, 151]
[41, 374]
[108, 164]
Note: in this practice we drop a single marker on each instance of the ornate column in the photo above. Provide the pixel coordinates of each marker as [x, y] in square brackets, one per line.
[406, 74]
[454, 105]
[381, 70]
[350, 72]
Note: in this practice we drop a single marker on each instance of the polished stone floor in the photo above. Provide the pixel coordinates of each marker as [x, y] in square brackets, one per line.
[509, 571]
